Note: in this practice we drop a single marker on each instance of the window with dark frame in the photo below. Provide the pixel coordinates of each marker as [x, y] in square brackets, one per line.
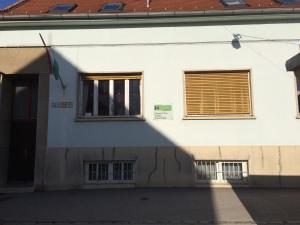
[5, 5]
[62, 8]
[112, 7]
[110, 95]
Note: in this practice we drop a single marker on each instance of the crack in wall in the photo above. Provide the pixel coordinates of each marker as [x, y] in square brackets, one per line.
[280, 166]
[177, 160]
[262, 157]
[155, 166]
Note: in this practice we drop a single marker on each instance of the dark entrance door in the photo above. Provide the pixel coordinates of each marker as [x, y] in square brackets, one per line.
[23, 131]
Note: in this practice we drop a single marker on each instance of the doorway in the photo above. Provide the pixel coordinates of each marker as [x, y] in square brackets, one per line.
[23, 130]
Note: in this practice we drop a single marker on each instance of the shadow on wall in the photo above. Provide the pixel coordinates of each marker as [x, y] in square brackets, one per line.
[158, 160]
[164, 164]
[22, 66]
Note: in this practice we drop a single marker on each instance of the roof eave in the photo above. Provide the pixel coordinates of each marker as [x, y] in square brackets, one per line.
[150, 18]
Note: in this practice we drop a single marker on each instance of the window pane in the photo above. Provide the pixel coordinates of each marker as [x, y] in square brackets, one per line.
[21, 100]
[134, 97]
[117, 171]
[128, 171]
[206, 170]
[102, 171]
[232, 171]
[92, 171]
[34, 99]
[103, 98]
[87, 97]
[119, 97]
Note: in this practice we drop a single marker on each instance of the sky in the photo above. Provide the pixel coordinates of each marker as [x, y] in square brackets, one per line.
[6, 3]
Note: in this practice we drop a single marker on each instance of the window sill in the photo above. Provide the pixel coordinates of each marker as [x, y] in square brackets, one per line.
[110, 182]
[223, 184]
[298, 116]
[237, 117]
[109, 118]
[107, 185]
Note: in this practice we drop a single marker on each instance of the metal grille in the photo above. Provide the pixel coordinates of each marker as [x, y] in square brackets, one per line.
[109, 171]
[220, 170]
[232, 171]
[117, 171]
[128, 171]
[92, 171]
[102, 171]
[206, 170]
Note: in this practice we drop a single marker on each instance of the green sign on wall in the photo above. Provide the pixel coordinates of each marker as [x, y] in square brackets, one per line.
[163, 112]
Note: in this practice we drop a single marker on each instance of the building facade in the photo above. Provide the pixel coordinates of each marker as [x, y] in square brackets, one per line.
[151, 100]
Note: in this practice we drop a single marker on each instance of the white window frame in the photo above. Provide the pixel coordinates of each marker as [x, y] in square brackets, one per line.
[219, 172]
[95, 115]
[110, 179]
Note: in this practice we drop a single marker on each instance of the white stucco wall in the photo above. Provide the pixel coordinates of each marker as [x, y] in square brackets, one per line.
[163, 54]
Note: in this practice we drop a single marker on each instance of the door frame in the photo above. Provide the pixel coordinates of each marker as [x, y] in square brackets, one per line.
[13, 176]
[41, 128]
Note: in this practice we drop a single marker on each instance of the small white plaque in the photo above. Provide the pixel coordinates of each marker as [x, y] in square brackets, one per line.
[62, 104]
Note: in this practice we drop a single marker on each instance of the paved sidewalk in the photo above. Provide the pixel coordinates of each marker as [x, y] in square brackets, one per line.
[152, 206]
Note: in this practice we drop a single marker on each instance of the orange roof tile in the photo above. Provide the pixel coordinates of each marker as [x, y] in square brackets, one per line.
[92, 6]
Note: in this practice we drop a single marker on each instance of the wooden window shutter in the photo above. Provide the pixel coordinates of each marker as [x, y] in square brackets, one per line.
[111, 76]
[217, 93]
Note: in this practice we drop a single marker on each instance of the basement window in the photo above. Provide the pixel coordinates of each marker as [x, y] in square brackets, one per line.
[113, 7]
[230, 171]
[62, 8]
[109, 172]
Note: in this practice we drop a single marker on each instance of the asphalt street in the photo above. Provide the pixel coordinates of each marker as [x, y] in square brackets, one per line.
[152, 206]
